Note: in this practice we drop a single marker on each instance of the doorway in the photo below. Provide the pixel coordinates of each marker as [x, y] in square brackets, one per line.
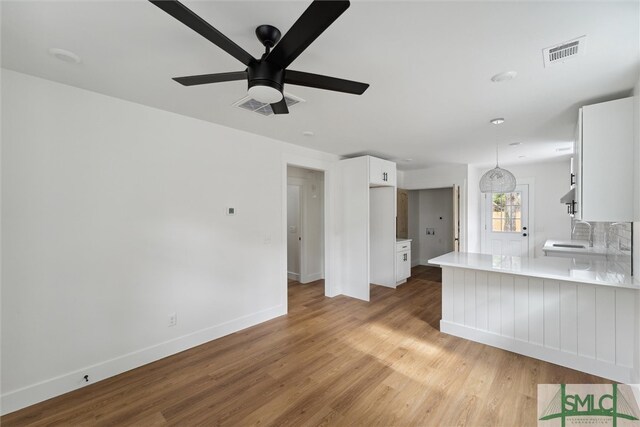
[433, 222]
[305, 225]
[506, 223]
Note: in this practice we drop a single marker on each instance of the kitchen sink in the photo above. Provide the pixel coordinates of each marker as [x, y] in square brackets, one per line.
[568, 245]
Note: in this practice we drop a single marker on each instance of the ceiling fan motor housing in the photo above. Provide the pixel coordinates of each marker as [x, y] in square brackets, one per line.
[262, 73]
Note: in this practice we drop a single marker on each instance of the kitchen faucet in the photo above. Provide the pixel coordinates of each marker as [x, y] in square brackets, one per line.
[590, 230]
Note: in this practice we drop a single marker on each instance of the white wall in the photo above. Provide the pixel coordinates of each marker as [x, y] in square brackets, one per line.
[474, 206]
[435, 211]
[433, 177]
[551, 181]
[113, 217]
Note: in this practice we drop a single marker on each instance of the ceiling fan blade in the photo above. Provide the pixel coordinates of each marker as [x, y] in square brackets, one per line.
[204, 79]
[318, 81]
[280, 107]
[200, 26]
[317, 18]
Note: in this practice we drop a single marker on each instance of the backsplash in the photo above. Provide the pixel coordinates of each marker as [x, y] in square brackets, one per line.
[615, 237]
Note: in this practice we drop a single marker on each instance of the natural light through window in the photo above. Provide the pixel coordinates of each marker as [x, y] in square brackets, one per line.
[506, 212]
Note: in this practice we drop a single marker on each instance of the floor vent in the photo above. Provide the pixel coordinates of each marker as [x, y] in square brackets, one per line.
[564, 51]
[263, 109]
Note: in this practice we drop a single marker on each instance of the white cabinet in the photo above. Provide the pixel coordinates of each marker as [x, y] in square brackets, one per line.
[365, 219]
[382, 173]
[403, 261]
[604, 162]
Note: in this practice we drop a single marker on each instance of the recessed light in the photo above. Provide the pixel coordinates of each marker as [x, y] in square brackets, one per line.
[504, 77]
[521, 157]
[307, 133]
[513, 144]
[497, 121]
[64, 55]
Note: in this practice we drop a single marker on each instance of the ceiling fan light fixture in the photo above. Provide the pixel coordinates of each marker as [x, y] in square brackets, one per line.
[265, 93]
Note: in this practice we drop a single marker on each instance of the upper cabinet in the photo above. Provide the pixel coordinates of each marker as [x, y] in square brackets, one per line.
[382, 173]
[603, 162]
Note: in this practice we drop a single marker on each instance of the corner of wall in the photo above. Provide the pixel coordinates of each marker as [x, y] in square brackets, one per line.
[636, 224]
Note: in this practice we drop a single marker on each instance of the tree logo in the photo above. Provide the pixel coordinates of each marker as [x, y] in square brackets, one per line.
[587, 404]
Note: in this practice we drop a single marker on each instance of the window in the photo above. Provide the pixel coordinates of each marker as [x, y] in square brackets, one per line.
[506, 212]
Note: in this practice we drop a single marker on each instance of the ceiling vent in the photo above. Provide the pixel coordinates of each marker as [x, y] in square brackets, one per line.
[250, 104]
[564, 51]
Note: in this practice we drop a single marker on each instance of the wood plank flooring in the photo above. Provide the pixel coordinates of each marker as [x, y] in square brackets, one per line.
[330, 361]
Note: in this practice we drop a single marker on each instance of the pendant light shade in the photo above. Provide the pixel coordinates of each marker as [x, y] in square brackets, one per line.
[497, 180]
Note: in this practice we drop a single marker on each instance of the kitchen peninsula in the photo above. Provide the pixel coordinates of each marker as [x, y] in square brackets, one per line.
[578, 314]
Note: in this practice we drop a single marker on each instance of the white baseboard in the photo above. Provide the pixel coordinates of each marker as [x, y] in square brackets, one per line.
[569, 360]
[313, 277]
[26, 396]
[293, 276]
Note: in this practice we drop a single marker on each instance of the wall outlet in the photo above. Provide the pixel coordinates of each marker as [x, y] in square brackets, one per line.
[173, 319]
[431, 231]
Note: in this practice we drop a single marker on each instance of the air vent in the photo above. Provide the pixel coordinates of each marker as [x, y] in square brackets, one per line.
[564, 51]
[263, 109]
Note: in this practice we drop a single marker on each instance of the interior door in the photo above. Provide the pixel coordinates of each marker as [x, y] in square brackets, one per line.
[506, 222]
[402, 215]
[294, 233]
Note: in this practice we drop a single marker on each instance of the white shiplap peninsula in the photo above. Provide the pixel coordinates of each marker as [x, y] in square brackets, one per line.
[578, 314]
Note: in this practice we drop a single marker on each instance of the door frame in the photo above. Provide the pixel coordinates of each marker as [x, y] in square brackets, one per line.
[318, 165]
[530, 182]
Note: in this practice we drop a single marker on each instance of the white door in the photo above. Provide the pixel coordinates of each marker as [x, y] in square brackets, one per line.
[294, 197]
[506, 228]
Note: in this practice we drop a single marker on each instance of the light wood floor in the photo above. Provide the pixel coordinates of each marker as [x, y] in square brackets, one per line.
[328, 362]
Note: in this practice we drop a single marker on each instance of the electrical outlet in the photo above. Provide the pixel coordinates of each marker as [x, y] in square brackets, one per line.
[173, 319]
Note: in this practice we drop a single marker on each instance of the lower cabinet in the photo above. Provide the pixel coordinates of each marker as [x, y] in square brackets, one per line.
[403, 261]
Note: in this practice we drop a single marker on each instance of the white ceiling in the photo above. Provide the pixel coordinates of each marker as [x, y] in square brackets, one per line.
[429, 65]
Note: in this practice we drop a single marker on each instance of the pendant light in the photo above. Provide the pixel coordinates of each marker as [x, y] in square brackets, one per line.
[497, 180]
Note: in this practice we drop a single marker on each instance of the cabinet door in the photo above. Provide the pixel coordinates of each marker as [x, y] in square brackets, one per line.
[382, 173]
[399, 266]
[577, 169]
[607, 161]
[376, 176]
[403, 265]
[389, 173]
[407, 265]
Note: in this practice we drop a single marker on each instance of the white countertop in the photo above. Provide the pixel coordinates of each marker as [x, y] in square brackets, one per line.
[402, 240]
[569, 269]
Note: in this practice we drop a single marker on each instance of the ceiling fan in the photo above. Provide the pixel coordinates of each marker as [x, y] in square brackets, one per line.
[266, 76]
